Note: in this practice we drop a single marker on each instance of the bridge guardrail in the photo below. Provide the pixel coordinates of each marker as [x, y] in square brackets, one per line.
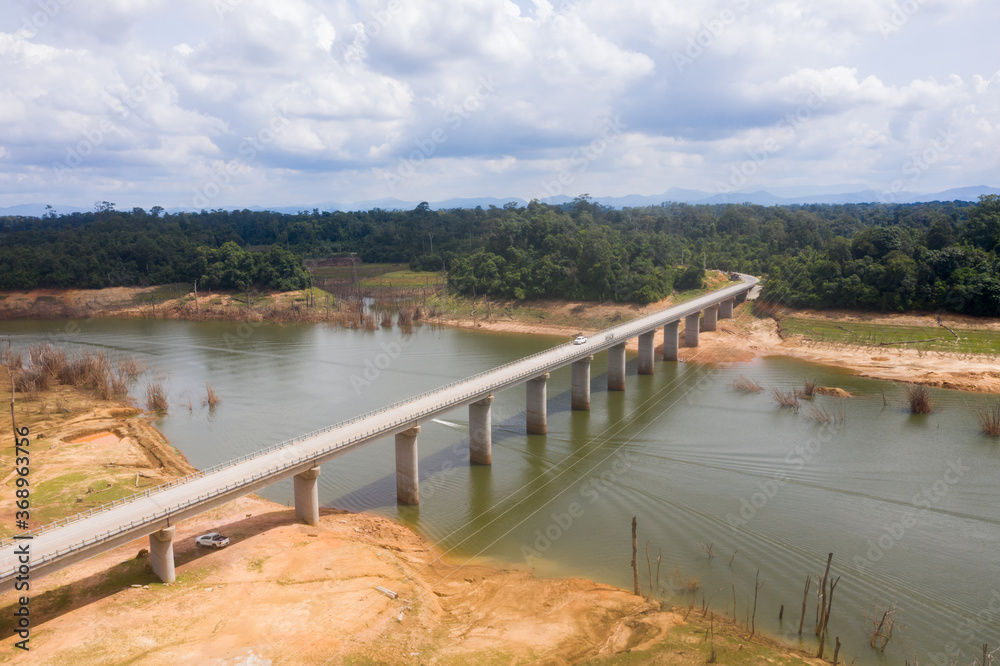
[629, 332]
[260, 452]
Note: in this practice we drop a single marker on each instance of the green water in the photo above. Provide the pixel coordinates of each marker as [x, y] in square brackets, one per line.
[909, 505]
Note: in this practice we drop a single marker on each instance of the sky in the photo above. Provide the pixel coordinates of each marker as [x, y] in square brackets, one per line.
[223, 103]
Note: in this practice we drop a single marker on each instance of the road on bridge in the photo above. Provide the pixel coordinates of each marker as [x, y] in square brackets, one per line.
[80, 537]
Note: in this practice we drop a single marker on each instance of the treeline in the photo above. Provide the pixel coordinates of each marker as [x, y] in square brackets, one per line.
[110, 249]
[935, 256]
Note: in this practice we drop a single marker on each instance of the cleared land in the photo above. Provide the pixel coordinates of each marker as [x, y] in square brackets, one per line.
[927, 338]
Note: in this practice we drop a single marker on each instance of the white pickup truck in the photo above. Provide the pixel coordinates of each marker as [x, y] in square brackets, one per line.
[212, 540]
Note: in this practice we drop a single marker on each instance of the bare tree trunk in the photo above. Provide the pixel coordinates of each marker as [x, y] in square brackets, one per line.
[659, 556]
[635, 564]
[805, 598]
[649, 566]
[10, 375]
[822, 595]
[826, 616]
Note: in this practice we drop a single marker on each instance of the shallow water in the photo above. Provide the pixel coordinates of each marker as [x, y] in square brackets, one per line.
[910, 505]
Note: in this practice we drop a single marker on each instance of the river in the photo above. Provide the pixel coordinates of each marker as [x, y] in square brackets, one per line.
[909, 505]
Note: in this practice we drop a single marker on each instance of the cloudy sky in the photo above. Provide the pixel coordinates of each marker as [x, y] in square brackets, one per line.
[218, 103]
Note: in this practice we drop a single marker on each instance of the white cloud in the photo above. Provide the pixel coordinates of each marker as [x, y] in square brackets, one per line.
[160, 94]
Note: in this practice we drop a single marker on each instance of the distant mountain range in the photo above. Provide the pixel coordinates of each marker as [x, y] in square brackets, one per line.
[836, 194]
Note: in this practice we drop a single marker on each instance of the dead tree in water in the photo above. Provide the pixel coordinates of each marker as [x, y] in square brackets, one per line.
[821, 596]
[805, 598]
[826, 618]
[635, 563]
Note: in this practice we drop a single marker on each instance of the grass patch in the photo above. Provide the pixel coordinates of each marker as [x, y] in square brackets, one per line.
[130, 572]
[348, 272]
[687, 644]
[257, 566]
[403, 280]
[971, 341]
[193, 576]
[163, 292]
[56, 498]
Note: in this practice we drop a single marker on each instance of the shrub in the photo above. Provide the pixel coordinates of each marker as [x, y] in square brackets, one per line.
[919, 399]
[989, 419]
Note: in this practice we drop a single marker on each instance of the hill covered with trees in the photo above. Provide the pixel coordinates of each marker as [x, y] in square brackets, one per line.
[935, 256]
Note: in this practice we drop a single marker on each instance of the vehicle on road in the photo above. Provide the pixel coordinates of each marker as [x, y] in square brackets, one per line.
[212, 540]
[735, 277]
[579, 340]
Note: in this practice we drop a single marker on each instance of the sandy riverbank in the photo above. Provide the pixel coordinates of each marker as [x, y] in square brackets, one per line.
[84, 452]
[288, 592]
[291, 593]
[755, 332]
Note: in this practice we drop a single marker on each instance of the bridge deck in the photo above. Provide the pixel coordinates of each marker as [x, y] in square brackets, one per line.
[54, 549]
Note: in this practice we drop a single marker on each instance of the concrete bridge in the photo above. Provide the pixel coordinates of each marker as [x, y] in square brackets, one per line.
[156, 511]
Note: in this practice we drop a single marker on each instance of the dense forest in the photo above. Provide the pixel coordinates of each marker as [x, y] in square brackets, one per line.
[935, 256]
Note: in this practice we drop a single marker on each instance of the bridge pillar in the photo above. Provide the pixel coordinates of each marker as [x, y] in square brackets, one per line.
[691, 323]
[536, 405]
[581, 383]
[616, 368]
[742, 296]
[671, 340]
[711, 318]
[306, 491]
[480, 432]
[407, 480]
[647, 342]
[161, 554]
[726, 308]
